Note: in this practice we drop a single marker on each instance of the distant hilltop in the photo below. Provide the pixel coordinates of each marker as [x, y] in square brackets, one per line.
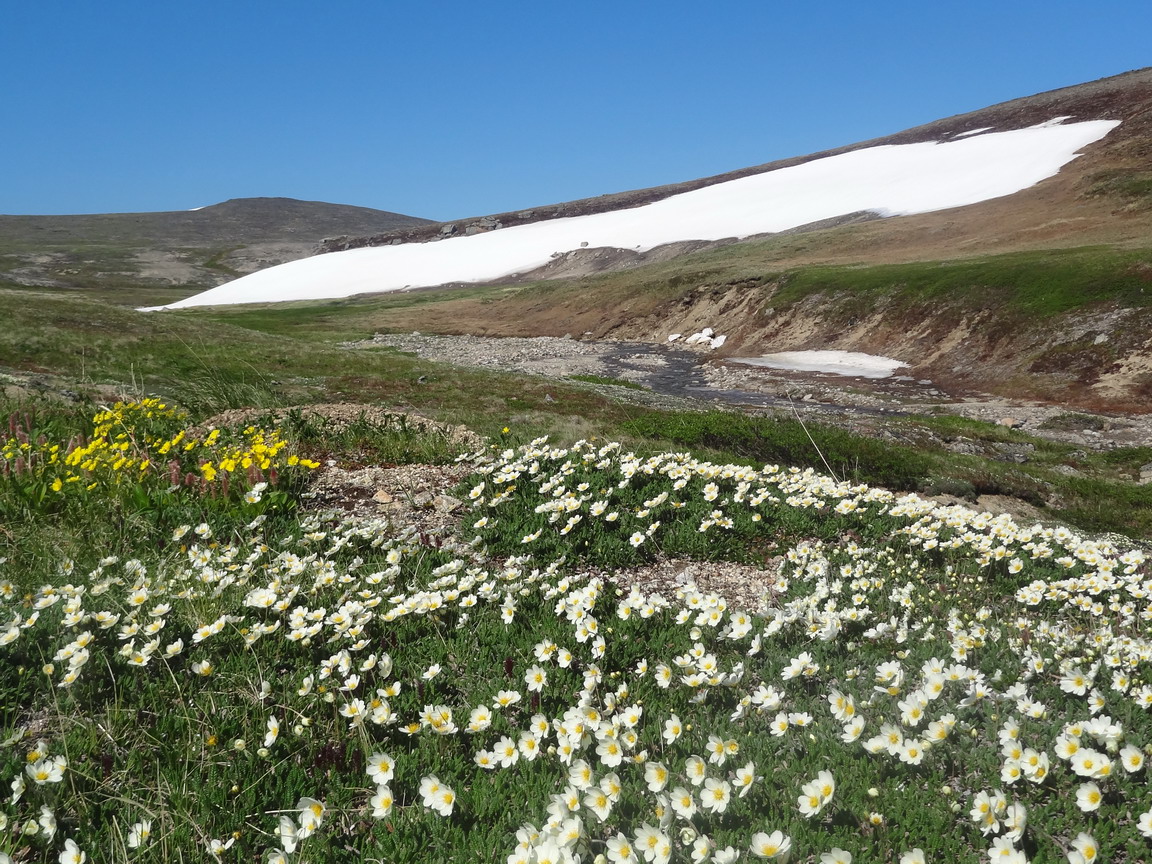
[184, 250]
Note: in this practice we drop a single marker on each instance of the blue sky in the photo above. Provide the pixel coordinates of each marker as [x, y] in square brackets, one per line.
[448, 109]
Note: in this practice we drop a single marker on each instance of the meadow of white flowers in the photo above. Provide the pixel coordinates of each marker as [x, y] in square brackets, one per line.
[919, 683]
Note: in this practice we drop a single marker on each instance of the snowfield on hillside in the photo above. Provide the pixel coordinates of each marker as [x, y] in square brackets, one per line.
[891, 180]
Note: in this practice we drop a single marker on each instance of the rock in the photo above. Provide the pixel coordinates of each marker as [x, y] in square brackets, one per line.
[1145, 474]
[1011, 422]
[965, 446]
[422, 499]
[1014, 507]
[450, 228]
[382, 497]
[447, 503]
[1018, 453]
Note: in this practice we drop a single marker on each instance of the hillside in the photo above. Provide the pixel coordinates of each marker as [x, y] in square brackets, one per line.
[1068, 167]
[1040, 294]
[1119, 168]
[178, 252]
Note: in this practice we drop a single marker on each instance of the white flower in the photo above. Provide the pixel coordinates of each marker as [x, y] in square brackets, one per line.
[437, 796]
[745, 777]
[696, 770]
[311, 816]
[381, 768]
[47, 822]
[1084, 850]
[715, 795]
[1088, 797]
[775, 846]
[288, 834]
[656, 776]
[273, 731]
[1132, 758]
[381, 802]
[72, 853]
[610, 752]
[46, 770]
[535, 679]
[620, 850]
[139, 833]
[683, 804]
[597, 800]
[1145, 824]
[215, 847]
[1004, 851]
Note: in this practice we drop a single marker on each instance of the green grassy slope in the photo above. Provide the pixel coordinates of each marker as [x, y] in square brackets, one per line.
[211, 365]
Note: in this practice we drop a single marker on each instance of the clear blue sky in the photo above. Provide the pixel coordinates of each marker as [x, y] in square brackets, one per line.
[447, 109]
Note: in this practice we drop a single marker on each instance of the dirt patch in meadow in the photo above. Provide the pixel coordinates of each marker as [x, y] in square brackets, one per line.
[340, 415]
[408, 496]
[742, 586]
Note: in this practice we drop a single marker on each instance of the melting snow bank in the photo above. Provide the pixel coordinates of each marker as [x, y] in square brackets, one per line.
[892, 180]
[836, 362]
[707, 336]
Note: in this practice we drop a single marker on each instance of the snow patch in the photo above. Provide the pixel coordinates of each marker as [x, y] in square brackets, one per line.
[891, 180]
[704, 337]
[852, 363]
[973, 132]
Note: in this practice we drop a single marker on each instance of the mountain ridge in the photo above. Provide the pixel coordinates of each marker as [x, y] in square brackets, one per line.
[184, 250]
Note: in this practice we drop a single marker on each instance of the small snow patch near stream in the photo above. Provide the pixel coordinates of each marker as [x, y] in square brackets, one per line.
[851, 363]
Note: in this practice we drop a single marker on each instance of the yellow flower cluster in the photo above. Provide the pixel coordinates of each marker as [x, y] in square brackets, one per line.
[259, 448]
[132, 440]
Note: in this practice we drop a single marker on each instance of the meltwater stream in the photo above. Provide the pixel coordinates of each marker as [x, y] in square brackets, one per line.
[663, 369]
